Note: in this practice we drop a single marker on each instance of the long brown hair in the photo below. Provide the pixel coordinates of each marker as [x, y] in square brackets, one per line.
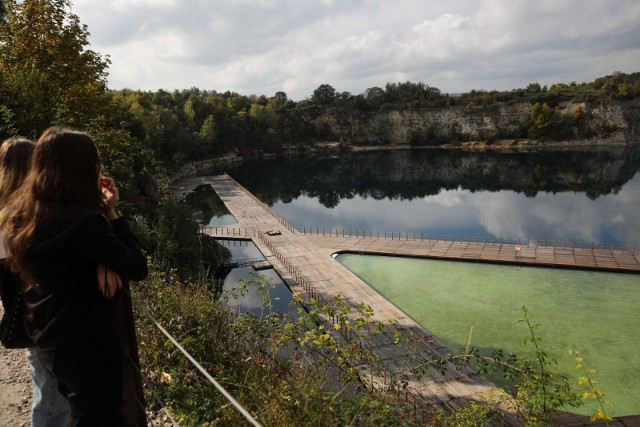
[64, 172]
[15, 159]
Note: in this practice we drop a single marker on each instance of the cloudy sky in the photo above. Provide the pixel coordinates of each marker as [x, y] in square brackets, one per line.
[265, 46]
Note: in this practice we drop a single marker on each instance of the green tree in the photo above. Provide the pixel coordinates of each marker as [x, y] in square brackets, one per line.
[264, 116]
[534, 88]
[48, 74]
[343, 99]
[279, 100]
[543, 118]
[324, 95]
[180, 246]
[208, 134]
[374, 96]
[189, 111]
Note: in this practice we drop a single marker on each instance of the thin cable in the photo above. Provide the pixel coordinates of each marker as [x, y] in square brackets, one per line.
[186, 354]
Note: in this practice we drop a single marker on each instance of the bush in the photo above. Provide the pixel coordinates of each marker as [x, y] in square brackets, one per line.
[290, 371]
[283, 370]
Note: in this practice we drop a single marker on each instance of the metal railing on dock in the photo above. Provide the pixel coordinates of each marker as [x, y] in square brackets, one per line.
[229, 232]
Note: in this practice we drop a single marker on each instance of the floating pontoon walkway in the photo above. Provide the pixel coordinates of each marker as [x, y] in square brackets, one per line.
[547, 254]
[304, 263]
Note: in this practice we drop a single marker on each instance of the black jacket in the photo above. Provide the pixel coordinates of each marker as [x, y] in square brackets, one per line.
[13, 328]
[65, 306]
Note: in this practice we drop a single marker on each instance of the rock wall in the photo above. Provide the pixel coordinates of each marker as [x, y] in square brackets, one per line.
[476, 122]
[392, 130]
[207, 166]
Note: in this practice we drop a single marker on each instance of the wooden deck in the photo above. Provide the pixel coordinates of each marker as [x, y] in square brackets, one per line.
[304, 263]
[565, 257]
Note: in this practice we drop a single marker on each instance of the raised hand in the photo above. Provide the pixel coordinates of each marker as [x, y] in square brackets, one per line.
[110, 196]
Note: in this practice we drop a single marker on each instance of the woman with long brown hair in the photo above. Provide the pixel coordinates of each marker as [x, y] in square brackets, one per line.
[59, 226]
[49, 408]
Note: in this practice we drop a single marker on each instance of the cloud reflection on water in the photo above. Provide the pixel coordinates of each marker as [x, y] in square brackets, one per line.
[505, 214]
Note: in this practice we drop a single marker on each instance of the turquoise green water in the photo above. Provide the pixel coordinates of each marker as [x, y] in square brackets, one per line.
[593, 311]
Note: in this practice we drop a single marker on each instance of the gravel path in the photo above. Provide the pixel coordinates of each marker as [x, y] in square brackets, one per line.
[15, 388]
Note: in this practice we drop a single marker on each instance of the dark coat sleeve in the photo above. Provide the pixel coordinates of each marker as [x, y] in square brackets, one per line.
[114, 245]
[13, 329]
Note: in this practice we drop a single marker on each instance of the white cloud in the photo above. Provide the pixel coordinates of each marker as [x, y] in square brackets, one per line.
[265, 46]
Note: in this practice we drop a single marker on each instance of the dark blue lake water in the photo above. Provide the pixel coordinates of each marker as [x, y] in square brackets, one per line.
[252, 299]
[582, 196]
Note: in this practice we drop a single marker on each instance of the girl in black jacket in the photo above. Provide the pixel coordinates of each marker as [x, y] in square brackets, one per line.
[49, 408]
[59, 226]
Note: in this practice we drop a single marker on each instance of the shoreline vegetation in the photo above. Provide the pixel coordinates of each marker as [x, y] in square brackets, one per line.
[208, 124]
[50, 76]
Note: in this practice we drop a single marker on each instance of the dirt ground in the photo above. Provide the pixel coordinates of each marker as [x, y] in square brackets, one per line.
[15, 388]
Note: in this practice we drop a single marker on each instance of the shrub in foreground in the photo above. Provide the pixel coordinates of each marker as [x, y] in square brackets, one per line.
[287, 370]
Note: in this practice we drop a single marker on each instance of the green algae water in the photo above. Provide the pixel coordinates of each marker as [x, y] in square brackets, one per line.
[595, 312]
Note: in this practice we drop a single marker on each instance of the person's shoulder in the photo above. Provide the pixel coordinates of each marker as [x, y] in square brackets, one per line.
[60, 226]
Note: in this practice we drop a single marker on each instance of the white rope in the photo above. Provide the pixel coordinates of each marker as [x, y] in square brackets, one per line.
[217, 385]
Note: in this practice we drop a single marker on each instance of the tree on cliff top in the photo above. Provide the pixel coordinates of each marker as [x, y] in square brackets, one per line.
[324, 95]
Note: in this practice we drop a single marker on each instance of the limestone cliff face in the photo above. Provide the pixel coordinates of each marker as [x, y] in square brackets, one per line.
[475, 122]
[392, 129]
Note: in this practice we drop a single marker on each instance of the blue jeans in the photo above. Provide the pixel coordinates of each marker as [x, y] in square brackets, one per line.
[50, 408]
